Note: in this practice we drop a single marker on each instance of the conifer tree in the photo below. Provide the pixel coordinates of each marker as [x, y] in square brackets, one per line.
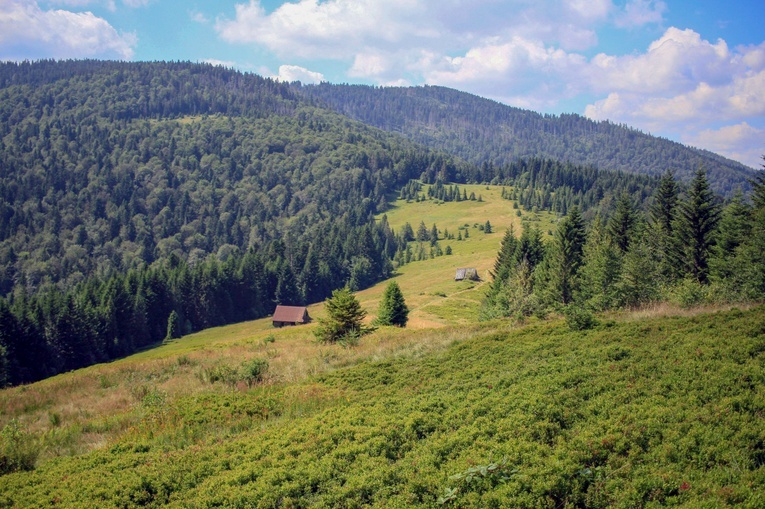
[601, 269]
[530, 247]
[393, 310]
[173, 326]
[699, 215]
[638, 283]
[344, 317]
[663, 214]
[506, 255]
[565, 258]
[622, 223]
[758, 188]
[735, 229]
[422, 232]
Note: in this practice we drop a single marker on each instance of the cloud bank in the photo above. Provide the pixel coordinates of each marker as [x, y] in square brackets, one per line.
[27, 32]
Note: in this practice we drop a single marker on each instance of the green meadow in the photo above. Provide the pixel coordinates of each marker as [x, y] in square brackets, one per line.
[651, 408]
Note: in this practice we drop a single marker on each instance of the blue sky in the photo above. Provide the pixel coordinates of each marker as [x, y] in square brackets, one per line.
[689, 70]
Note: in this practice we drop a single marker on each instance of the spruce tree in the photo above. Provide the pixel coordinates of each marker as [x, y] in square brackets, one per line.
[565, 258]
[506, 255]
[622, 223]
[173, 326]
[601, 269]
[663, 214]
[758, 188]
[422, 232]
[344, 317]
[393, 310]
[699, 215]
[735, 229]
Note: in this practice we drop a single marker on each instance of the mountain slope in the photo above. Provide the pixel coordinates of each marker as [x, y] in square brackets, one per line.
[480, 130]
[105, 166]
[639, 413]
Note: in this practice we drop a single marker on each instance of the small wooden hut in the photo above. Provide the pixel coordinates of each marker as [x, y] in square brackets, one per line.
[290, 315]
[466, 273]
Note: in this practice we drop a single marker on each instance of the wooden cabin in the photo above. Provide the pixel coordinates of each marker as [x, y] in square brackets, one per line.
[467, 273]
[290, 315]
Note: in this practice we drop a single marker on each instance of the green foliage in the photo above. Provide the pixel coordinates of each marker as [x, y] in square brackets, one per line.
[636, 412]
[697, 227]
[344, 320]
[579, 318]
[466, 126]
[253, 371]
[393, 309]
[479, 477]
[250, 372]
[173, 326]
[18, 449]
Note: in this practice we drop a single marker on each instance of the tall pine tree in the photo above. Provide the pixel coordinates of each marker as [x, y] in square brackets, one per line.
[698, 217]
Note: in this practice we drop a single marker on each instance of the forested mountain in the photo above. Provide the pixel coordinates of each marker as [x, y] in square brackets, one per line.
[132, 190]
[133, 193]
[480, 130]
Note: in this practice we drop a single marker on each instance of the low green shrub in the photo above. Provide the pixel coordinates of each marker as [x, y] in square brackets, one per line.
[18, 449]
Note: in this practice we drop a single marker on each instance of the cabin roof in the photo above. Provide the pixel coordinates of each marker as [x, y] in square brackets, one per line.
[295, 314]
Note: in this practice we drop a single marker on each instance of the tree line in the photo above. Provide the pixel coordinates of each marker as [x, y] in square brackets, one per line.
[686, 248]
[481, 131]
[101, 319]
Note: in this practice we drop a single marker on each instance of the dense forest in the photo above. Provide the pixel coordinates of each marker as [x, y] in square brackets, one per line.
[484, 131]
[133, 190]
[686, 248]
[137, 198]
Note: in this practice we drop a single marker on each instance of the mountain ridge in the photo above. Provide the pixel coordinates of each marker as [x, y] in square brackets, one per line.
[481, 130]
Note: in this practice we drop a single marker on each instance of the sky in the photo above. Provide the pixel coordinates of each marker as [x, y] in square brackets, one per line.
[692, 71]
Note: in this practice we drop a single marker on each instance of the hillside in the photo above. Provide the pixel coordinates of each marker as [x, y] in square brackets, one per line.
[659, 407]
[136, 192]
[480, 130]
[639, 411]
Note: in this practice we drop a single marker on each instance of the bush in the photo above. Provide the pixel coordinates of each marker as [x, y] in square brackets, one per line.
[689, 293]
[579, 318]
[253, 371]
[250, 372]
[18, 449]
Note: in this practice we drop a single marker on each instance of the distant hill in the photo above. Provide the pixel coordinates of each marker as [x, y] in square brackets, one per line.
[481, 130]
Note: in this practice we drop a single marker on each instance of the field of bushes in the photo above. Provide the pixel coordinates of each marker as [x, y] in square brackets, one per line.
[635, 412]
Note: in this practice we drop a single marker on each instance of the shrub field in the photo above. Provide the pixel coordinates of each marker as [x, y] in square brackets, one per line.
[635, 412]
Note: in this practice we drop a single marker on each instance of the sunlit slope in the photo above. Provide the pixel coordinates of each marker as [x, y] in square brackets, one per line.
[633, 413]
[90, 408]
[429, 287]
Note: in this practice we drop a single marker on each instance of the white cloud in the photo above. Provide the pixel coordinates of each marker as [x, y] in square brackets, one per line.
[677, 61]
[332, 29]
[198, 17]
[26, 29]
[641, 12]
[290, 73]
[223, 63]
[741, 142]
[109, 4]
[681, 78]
